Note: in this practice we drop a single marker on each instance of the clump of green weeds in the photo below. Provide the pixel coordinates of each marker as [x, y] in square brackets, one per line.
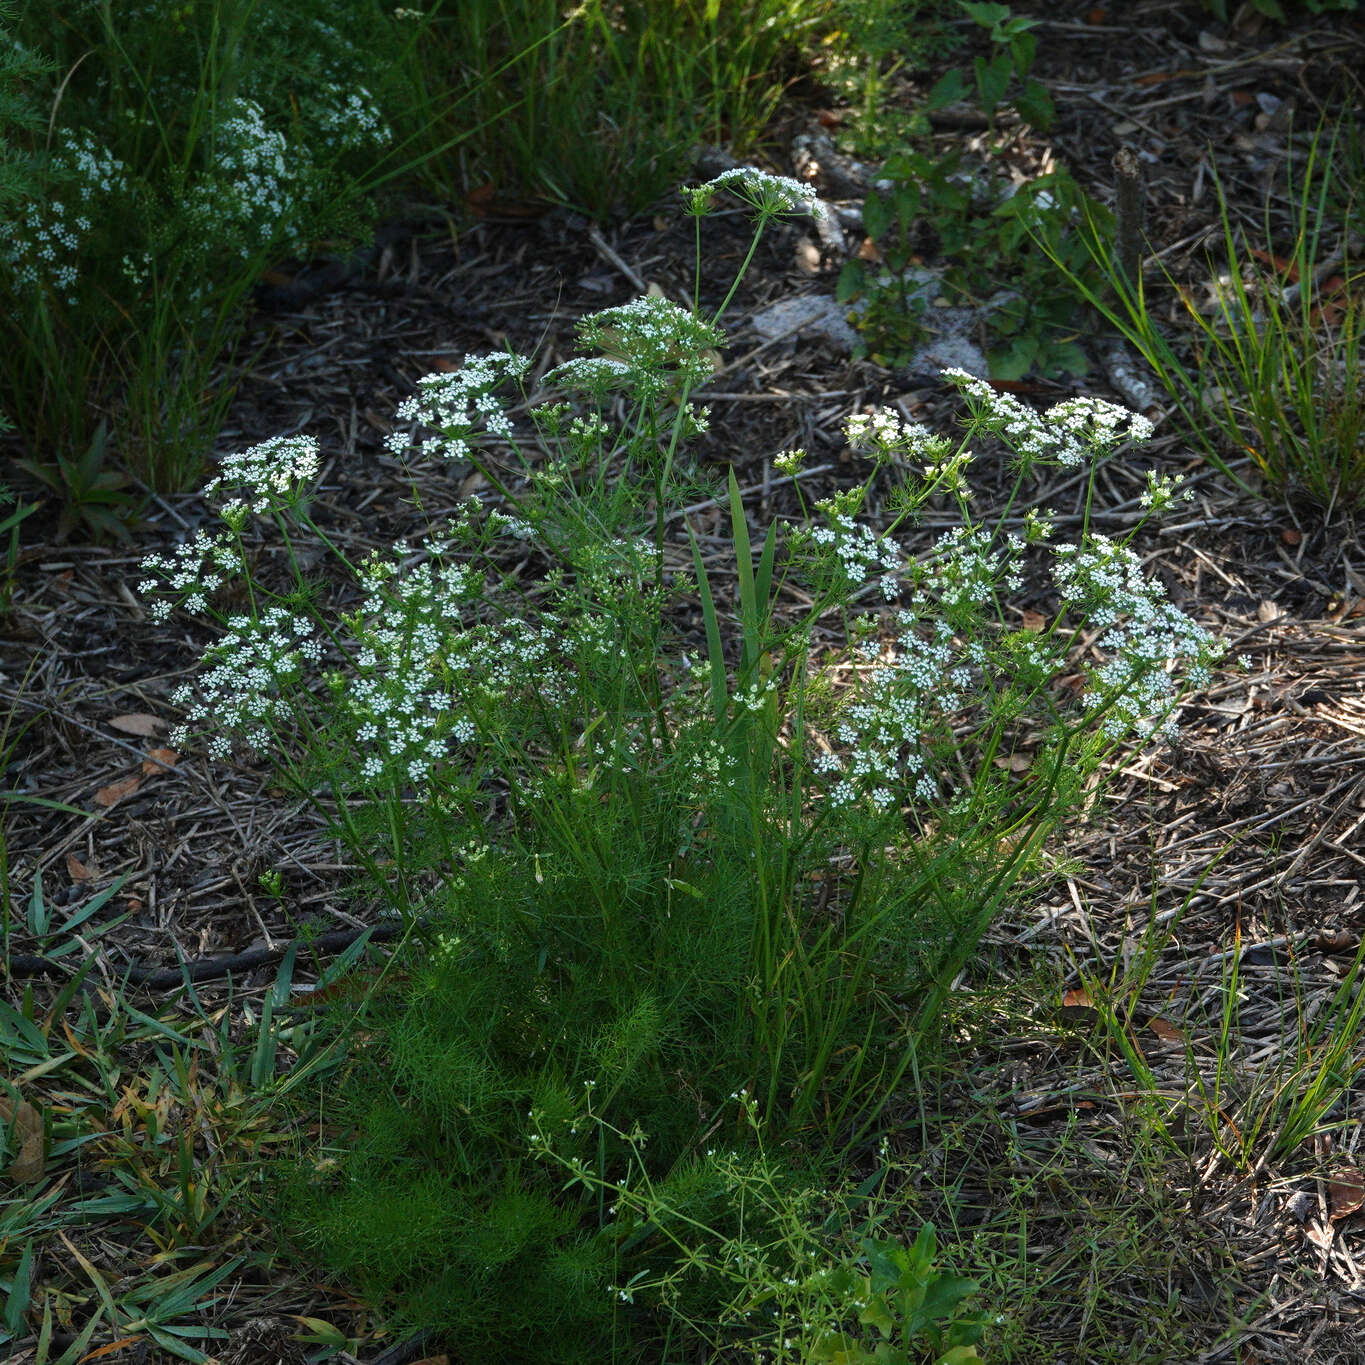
[979, 222]
[602, 110]
[654, 841]
[800, 1276]
[1003, 77]
[867, 46]
[1250, 1116]
[147, 1127]
[602, 106]
[981, 226]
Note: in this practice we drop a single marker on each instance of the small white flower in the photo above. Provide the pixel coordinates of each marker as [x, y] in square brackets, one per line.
[769, 195]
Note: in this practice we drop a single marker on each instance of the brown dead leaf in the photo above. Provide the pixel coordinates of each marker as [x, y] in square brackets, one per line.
[1336, 299]
[116, 791]
[1335, 940]
[484, 201]
[27, 1165]
[1167, 1032]
[1078, 1008]
[110, 1348]
[158, 760]
[1345, 1192]
[138, 723]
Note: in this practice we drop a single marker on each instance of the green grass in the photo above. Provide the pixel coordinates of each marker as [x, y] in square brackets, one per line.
[1269, 365]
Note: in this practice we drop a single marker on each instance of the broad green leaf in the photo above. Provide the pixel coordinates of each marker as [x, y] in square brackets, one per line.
[907, 201]
[1067, 357]
[850, 283]
[948, 89]
[987, 15]
[876, 1314]
[1035, 105]
[1015, 360]
[876, 216]
[1023, 49]
[945, 1293]
[992, 80]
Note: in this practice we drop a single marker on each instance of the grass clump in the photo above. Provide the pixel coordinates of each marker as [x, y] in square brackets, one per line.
[659, 860]
[1273, 369]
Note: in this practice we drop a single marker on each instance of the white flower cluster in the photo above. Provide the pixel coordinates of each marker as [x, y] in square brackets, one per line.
[457, 404]
[1148, 637]
[1164, 489]
[646, 344]
[240, 691]
[44, 245]
[884, 429]
[595, 375]
[427, 678]
[884, 434]
[247, 198]
[271, 475]
[1068, 434]
[407, 658]
[769, 195]
[948, 654]
[705, 769]
[966, 571]
[855, 552]
[198, 568]
[912, 685]
[351, 120]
